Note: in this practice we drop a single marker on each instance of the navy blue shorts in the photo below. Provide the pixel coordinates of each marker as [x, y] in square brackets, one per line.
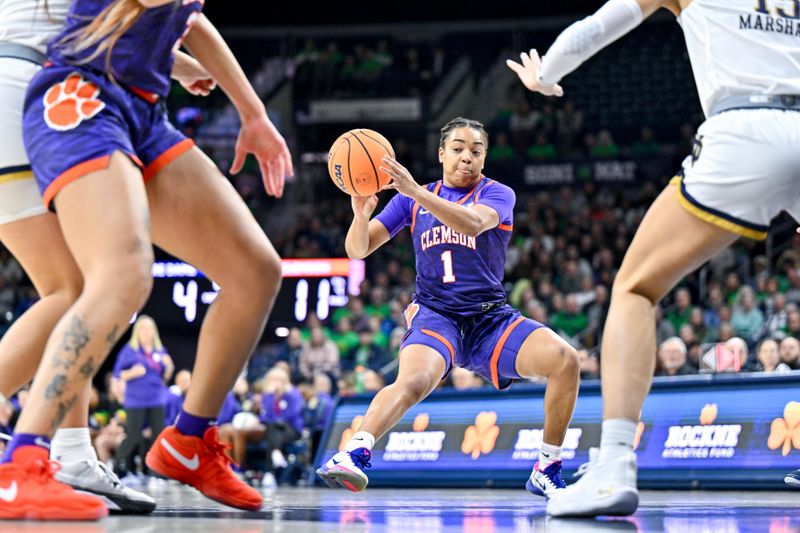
[487, 344]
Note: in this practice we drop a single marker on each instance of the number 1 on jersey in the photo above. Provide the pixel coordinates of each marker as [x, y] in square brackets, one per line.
[447, 259]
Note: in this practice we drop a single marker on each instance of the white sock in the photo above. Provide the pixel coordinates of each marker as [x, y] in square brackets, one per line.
[549, 454]
[362, 439]
[71, 445]
[616, 438]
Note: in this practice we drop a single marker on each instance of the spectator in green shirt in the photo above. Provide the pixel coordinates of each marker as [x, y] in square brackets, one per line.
[542, 149]
[646, 146]
[501, 150]
[605, 147]
[571, 320]
[354, 310]
[681, 311]
[378, 305]
[344, 336]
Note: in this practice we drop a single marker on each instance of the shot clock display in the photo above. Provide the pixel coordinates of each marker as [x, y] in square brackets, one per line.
[181, 293]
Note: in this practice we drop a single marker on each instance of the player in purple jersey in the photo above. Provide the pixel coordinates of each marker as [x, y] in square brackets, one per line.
[460, 227]
[93, 130]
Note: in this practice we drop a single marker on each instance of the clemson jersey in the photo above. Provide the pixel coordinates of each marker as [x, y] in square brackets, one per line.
[456, 273]
[142, 57]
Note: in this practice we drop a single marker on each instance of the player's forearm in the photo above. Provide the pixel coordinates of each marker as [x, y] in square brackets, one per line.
[586, 37]
[356, 244]
[182, 64]
[210, 49]
[452, 215]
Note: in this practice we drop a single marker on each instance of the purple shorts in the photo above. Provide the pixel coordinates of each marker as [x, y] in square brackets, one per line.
[486, 344]
[75, 118]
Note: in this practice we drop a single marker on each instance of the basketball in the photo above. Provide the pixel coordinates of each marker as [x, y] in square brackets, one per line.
[354, 161]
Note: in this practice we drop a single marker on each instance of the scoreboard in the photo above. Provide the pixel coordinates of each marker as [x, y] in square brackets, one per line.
[182, 294]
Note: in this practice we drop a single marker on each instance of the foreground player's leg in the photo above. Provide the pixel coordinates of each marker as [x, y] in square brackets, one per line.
[545, 354]
[669, 244]
[112, 248]
[36, 242]
[48, 262]
[421, 370]
[82, 470]
[199, 217]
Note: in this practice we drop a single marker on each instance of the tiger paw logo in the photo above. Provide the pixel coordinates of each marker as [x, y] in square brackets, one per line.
[785, 432]
[481, 438]
[70, 102]
[708, 414]
[348, 433]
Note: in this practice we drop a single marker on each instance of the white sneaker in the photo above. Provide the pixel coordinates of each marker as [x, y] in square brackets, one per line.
[268, 481]
[605, 488]
[278, 459]
[95, 477]
[345, 470]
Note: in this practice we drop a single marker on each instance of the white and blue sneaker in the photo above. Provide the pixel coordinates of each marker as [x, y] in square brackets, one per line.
[793, 479]
[607, 487]
[345, 469]
[544, 481]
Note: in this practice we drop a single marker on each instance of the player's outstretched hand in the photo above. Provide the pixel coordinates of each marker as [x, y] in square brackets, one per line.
[192, 75]
[259, 137]
[364, 206]
[402, 181]
[528, 73]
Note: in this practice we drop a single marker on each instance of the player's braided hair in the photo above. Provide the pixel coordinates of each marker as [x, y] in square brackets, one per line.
[461, 122]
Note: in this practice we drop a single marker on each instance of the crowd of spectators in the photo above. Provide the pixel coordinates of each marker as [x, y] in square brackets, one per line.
[365, 69]
[537, 129]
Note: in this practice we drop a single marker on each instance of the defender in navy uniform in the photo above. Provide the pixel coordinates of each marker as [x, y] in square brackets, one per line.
[461, 226]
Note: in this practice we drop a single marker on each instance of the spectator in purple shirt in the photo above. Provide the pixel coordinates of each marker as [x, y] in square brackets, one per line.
[281, 415]
[144, 366]
[176, 395]
[318, 407]
[233, 402]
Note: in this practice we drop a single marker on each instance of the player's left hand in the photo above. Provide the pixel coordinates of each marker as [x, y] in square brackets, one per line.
[192, 75]
[402, 181]
[528, 73]
[259, 137]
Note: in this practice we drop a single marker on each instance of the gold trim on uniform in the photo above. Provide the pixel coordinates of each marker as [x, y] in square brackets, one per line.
[711, 218]
[16, 176]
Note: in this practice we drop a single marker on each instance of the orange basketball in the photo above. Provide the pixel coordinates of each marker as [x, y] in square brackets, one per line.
[355, 159]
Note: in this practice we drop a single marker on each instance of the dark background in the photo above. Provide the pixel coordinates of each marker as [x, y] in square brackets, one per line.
[230, 14]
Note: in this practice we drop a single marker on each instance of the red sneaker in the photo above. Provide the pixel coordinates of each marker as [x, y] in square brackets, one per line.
[29, 491]
[202, 464]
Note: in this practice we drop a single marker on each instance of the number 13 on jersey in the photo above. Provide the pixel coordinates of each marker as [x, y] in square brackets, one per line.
[447, 260]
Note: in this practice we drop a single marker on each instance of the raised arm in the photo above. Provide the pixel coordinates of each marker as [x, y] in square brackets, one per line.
[471, 221]
[257, 135]
[582, 40]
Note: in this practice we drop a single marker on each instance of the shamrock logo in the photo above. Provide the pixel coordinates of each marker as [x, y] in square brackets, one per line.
[481, 437]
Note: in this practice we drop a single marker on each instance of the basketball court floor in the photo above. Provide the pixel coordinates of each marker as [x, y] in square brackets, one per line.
[301, 510]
